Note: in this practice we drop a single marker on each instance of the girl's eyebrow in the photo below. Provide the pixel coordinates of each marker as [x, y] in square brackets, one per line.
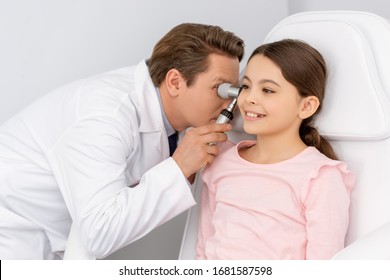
[246, 78]
[263, 81]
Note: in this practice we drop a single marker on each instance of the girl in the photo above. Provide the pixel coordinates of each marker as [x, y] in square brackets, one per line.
[285, 195]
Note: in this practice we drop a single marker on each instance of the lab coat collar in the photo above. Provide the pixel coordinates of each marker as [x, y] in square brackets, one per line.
[146, 100]
[150, 118]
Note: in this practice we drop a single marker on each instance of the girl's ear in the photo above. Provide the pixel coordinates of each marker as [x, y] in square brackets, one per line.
[174, 82]
[308, 106]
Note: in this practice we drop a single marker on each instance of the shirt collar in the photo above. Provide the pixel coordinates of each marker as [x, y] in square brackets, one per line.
[167, 125]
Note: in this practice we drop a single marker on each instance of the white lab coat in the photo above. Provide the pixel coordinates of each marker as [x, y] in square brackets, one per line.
[73, 154]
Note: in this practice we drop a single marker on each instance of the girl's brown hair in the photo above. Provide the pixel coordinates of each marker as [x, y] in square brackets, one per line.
[187, 47]
[304, 67]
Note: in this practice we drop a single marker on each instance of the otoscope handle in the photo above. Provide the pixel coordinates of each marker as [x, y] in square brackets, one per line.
[225, 116]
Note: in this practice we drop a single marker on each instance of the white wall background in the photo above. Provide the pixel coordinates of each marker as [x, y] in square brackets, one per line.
[379, 7]
[46, 43]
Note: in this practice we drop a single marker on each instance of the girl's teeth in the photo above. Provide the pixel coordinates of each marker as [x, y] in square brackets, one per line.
[252, 115]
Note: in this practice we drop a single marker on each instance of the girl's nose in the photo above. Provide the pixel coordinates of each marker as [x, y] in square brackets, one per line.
[250, 97]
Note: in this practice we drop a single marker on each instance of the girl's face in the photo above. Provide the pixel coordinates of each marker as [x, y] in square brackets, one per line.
[269, 104]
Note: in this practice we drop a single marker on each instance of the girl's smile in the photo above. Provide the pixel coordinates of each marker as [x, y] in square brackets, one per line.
[252, 116]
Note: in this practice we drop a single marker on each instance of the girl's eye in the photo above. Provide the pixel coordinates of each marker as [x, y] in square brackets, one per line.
[244, 86]
[267, 90]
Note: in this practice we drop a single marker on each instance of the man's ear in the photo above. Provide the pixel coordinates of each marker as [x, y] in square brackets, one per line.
[308, 106]
[174, 82]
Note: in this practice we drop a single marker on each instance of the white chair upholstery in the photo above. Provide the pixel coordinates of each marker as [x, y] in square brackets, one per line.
[355, 118]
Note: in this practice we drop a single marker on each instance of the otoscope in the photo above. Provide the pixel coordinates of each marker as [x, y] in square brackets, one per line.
[226, 91]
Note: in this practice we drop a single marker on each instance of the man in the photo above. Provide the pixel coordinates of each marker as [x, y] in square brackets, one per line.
[95, 152]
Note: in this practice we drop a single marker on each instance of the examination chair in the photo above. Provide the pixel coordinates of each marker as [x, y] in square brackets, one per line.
[355, 118]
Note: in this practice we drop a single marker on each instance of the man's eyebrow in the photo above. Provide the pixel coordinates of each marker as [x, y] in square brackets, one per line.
[220, 80]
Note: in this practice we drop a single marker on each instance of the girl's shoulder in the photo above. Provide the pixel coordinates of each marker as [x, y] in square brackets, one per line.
[230, 148]
[315, 158]
[227, 158]
[324, 168]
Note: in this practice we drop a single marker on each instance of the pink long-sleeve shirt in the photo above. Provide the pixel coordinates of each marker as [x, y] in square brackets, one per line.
[294, 209]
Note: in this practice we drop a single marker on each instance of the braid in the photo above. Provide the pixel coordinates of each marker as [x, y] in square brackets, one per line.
[311, 137]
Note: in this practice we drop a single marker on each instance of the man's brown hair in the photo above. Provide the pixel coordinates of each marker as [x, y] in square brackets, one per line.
[187, 47]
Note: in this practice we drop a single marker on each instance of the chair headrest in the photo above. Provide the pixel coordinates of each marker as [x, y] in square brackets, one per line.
[356, 47]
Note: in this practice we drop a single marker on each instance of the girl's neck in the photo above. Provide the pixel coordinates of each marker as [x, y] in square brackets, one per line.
[270, 149]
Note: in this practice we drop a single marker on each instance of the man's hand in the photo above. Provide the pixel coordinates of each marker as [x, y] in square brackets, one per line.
[194, 151]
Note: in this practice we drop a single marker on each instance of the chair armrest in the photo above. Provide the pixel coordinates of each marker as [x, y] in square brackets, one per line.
[188, 243]
[373, 246]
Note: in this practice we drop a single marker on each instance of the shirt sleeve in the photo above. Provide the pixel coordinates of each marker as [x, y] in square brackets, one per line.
[327, 212]
[89, 164]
